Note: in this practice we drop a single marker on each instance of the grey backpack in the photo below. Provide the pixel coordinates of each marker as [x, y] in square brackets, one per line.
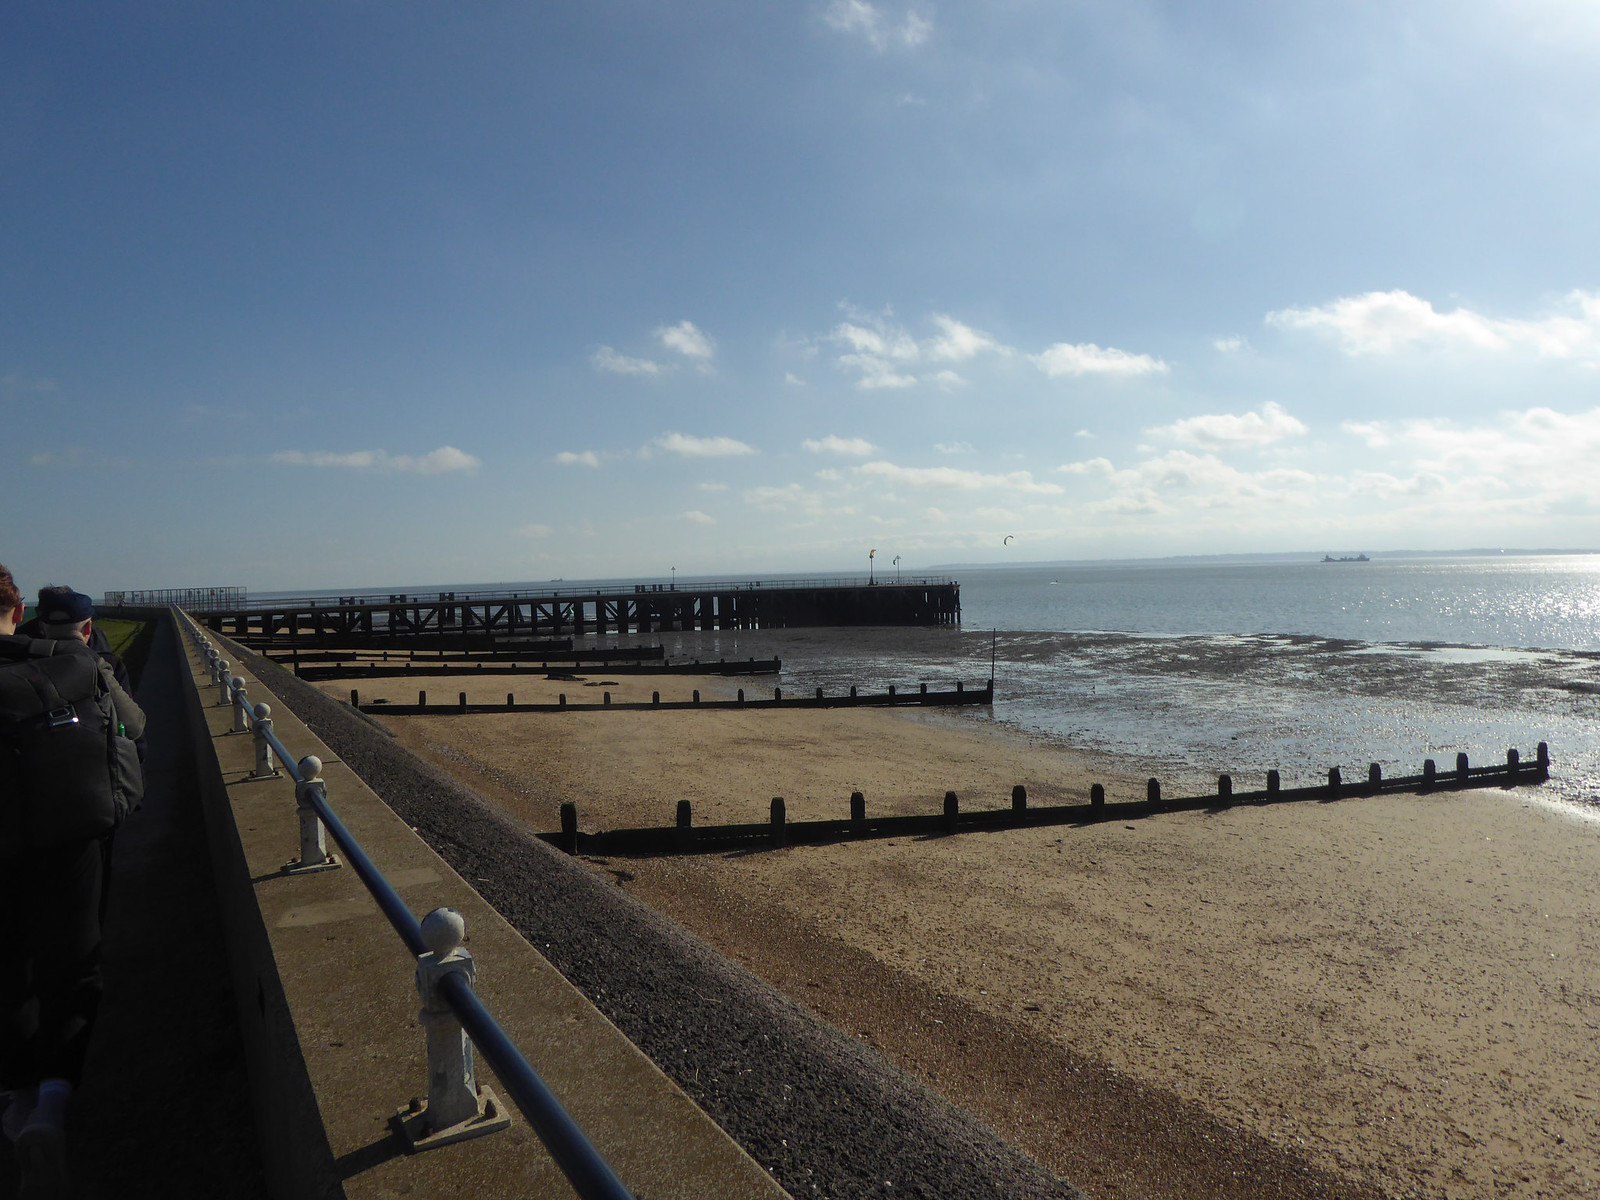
[66, 774]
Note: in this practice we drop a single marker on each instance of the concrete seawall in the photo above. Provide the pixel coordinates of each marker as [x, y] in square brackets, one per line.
[327, 1006]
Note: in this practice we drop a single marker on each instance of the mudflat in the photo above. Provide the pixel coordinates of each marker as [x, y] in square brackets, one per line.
[1400, 992]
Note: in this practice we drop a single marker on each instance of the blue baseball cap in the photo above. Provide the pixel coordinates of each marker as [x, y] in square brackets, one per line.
[65, 607]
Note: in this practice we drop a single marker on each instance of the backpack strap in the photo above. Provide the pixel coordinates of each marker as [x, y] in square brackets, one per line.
[58, 711]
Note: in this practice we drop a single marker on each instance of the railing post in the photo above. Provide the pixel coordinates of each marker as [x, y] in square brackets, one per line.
[456, 1108]
[314, 854]
[224, 677]
[263, 727]
[241, 707]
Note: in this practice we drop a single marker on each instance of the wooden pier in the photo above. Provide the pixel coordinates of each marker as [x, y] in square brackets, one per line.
[503, 620]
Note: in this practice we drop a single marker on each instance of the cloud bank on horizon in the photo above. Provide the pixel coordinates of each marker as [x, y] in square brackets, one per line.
[510, 293]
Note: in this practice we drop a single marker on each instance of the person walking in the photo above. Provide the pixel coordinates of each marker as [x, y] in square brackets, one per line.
[65, 755]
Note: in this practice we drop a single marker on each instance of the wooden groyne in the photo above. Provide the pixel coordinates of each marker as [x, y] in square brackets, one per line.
[425, 670]
[463, 620]
[893, 698]
[684, 837]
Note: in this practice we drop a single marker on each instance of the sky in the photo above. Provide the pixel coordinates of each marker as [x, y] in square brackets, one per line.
[351, 293]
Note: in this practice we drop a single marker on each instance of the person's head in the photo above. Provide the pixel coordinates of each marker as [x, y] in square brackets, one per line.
[10, 602]
[64, 613]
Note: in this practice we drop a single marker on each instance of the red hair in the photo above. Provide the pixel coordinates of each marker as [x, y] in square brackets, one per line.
[10, 597]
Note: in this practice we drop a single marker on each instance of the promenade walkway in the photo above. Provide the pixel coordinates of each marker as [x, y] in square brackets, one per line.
[164, 1109]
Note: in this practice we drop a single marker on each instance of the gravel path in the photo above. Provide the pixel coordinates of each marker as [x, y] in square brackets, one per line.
[826, 1115]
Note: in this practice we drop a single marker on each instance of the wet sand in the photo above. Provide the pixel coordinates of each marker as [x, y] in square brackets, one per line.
[1399, 990]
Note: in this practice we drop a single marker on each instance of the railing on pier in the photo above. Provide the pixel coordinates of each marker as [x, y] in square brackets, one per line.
[190, 599]
[456, 1107]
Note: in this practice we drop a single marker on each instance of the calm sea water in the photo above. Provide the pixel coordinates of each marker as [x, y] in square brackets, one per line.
[1191, 669]
[1186, 671]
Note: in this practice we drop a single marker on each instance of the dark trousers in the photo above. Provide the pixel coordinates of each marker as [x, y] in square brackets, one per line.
[50, 982]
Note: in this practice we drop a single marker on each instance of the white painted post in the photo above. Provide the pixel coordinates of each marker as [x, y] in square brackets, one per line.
[313, 837]
[241, 707]
[452, 1091]
[263, 726]
[224, 675]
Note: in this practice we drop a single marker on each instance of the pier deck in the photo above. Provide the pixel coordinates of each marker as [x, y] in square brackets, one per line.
[466, 619]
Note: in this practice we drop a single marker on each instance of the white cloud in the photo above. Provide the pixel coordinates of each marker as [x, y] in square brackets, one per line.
[1230, 345]
[1083, 433]
[607, 359]
[829, 475]
[957, 342]
[579, 458]
[435, 462]
[793, 380]
[687, 339]
[535, 530]
[777, 499]
[1225, 431]
[881, 32]
[1385, 322]
[698, 517]
[833, 444]
[886, 355]
[77, 458]
[711, 486]
[1064, 358]
[699, 447]
[955, 479]
[953, 447]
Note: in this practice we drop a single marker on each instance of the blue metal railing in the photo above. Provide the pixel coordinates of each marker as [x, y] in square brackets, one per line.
[590, 1175]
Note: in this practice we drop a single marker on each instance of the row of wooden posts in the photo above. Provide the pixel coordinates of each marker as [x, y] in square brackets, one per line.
[684, 837]
[892, 698]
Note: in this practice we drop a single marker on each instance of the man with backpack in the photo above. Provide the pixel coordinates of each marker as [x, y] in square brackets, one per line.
[68, 773]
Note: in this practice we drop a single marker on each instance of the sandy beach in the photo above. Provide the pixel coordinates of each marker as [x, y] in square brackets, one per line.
[1400, 989]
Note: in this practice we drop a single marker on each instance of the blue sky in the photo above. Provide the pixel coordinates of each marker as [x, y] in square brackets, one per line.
[306, 295]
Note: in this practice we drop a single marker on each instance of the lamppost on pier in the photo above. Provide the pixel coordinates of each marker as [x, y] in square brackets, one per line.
[871, 554]
[674, 578]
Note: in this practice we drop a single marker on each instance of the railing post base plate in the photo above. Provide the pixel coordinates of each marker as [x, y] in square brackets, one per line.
[295, 867]
[412, 1126]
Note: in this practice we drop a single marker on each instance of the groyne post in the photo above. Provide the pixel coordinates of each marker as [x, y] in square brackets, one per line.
[858, 808]
[1513, 765]
[1274, 785]
[1542, 759]
[1225, 790]
[1019, 798]
[1430, 774]
[1335, 782]
[952, 810]
[1461, 768]
[1375, 778]
[778, 819]
[1152, 791]
[1097, 795]
[569, 826]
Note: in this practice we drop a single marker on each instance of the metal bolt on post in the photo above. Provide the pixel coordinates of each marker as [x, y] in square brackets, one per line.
[314, 854]
[263, 726]
[241, 707]
[456, 1108]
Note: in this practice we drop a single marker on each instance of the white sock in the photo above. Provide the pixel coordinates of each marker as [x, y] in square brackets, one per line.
[51, 1106]
[18, 1111]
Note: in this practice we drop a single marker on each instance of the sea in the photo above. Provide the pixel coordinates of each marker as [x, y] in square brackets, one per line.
[1184, 670]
